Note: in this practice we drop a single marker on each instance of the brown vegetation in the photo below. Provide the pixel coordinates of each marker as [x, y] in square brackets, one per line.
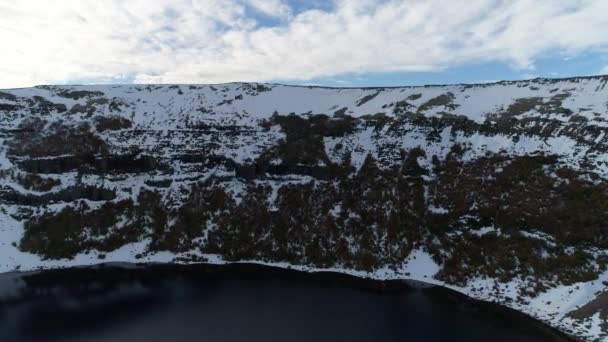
[37, 139]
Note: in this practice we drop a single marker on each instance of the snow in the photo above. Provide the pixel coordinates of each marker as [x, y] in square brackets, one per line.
[438, 210]
[484, 230]
[420, 265]
[164, 113]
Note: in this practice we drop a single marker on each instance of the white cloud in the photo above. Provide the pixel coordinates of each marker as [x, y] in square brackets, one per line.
[604, 70]
[202, 41]
[273, 8]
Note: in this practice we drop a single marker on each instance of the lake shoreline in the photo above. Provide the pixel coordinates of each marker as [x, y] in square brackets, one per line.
[79, 277]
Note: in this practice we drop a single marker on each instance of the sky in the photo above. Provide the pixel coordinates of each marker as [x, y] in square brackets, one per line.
[320, 42]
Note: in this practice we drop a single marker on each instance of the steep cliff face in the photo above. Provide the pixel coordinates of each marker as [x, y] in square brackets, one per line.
[498, 190]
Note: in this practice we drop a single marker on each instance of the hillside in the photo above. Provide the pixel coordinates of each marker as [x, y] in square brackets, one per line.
[498, 191]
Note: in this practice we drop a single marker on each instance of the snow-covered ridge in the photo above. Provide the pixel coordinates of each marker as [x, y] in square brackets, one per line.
[104, 148]
[586, 96]
[573, 111]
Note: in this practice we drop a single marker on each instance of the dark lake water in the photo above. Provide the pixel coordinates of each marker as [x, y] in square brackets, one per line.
[243, 303]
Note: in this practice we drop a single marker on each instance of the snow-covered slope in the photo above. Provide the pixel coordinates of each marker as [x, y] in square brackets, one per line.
[498, 190]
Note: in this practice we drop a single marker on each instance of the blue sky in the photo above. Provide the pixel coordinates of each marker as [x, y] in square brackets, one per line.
[548, 67]
[322, 42]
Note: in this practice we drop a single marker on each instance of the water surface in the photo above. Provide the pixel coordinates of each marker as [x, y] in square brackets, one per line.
[243, 303]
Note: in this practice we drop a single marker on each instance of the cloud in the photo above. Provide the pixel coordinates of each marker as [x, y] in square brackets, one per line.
[205, 41]
[273, 8]
[604, 70]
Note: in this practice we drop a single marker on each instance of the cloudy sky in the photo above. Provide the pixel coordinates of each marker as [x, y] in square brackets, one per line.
[340, 42]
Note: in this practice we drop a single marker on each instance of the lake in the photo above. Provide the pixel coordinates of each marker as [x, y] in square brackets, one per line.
[244, 303]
